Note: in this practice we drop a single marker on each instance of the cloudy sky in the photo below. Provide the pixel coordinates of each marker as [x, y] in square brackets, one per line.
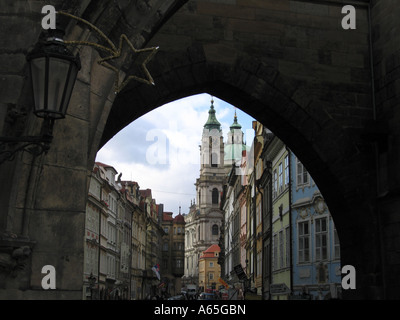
[160, 150]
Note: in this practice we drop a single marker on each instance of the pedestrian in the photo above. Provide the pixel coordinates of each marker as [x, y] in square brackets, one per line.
[240, 295]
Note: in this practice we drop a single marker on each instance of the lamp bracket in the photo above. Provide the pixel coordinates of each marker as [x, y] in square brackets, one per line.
[35, 145]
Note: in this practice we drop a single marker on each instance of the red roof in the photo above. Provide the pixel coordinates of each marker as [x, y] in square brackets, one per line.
[179, 219]
[145, 193]
[128, 182]
[213, 248]
[106, 166]
[167, 216]
[210, 252]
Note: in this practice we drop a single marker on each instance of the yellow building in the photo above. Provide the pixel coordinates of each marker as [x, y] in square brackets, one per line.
[209, 269]
[281, 255]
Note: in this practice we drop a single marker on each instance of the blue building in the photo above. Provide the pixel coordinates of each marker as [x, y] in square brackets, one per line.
[316, 266]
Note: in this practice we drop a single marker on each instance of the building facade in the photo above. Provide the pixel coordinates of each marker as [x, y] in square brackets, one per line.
[288, 244]
[209, 269]
[231, 227]
[153, 254]
[94, 211]
[138, 246]
[316, 248]
[265, 184]
[123, 238]
[173, 253]
[281, 238]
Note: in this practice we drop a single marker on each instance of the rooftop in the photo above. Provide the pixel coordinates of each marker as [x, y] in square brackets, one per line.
[210, 252]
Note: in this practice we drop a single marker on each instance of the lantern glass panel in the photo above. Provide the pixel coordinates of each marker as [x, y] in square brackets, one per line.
[69, 86]
[58, 75]
[38, 71]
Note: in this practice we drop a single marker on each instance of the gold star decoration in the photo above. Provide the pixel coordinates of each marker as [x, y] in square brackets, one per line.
[116, 53]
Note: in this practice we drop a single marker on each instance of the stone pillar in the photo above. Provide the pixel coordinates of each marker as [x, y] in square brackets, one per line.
[386, 61]
[43, 205]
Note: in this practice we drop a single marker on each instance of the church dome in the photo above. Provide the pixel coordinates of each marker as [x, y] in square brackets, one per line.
[235, 124]
[233, 149]
[212, 122]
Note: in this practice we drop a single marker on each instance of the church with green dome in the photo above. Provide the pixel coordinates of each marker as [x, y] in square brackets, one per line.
[234, 145]
[204, 220]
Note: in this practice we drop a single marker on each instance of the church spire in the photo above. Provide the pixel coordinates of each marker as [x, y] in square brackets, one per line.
[212, 122]
[235, 124]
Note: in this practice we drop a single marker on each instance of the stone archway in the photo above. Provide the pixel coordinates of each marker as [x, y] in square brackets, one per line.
[331, 164]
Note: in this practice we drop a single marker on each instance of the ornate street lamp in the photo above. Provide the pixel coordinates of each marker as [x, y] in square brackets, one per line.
[53, 70]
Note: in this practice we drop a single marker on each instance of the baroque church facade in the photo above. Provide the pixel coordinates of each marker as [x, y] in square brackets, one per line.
[204, 221]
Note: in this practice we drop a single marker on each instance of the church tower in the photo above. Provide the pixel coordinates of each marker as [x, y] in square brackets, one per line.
[212, 173]
[234, 145]
[204, 220]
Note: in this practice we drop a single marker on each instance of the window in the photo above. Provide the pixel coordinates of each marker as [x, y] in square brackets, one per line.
[336, 244]
[302, 174]
[275, 190]
[165, 246]
[179, 263]
[213, 146]
[321, 239]
[266, 260]
[214, 230]
[211, 264]
[287, 170]
[281, 255]
[214, 160]
[287, 244]
[215, 196]
[275, 252]
[166, 230]
[211, 276]
[280, 177]
[304, 242]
